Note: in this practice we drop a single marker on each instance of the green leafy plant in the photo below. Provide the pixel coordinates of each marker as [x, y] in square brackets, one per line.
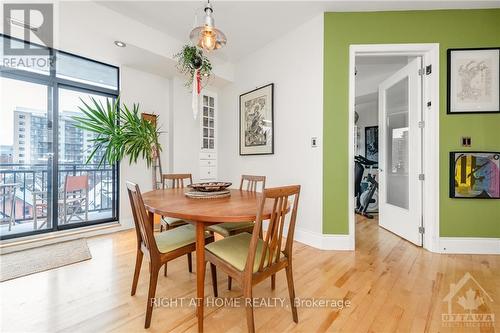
[191, 58]
[120, 132]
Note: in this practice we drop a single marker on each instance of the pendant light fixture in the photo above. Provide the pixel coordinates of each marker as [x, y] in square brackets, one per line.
[207, 36]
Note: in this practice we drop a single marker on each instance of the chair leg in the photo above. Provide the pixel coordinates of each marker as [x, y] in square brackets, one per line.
[165, 271]
[190, 263]
[138, 263]
[161, 227]
[213, 270]
[273, 281]
[153, 279]
[291, 292]
[229, 282]
[247, 294]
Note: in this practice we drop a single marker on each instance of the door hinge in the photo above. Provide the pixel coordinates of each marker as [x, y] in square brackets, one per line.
[425, 70]
[421, 230]
[421, 124]
[421, 176]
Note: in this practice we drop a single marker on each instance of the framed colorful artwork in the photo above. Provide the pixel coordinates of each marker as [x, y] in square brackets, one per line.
[475, 175]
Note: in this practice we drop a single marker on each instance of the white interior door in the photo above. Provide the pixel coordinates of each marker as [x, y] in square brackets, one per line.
[400, 151]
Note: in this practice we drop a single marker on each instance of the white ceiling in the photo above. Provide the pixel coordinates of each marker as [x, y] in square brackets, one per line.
[249, 25]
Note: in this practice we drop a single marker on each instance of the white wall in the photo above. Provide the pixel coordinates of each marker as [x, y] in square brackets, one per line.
[152, 94]
[185, 129]
[294, 63]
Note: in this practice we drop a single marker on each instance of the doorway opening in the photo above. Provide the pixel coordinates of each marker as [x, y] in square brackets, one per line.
[393, 122]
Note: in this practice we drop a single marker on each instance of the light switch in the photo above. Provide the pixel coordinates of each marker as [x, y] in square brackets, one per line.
[314, 142]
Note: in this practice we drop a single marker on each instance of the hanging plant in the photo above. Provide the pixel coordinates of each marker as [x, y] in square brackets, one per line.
[190, 59]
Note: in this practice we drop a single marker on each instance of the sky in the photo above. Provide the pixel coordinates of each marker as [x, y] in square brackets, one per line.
[15, 93]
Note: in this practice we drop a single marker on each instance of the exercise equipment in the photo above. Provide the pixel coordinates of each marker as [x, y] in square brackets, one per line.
[364, 197]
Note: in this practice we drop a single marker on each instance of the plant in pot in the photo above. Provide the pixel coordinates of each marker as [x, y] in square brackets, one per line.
[120, 132]
[191, 59]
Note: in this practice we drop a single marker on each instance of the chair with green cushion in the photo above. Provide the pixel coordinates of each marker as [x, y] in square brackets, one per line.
[251, 258]
[230, 229]
[177, 182]
[167, 223]
[160, 248]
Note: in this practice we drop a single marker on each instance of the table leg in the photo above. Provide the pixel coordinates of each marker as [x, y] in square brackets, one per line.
[200, 272]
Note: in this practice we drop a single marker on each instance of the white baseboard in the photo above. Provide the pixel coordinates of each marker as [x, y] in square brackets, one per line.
[18, 244]
[322, 241]
[469, 245]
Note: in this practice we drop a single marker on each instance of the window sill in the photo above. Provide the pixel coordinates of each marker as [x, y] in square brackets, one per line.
[12, 245]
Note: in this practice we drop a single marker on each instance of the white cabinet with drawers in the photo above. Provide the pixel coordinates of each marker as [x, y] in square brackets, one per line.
[208, 137]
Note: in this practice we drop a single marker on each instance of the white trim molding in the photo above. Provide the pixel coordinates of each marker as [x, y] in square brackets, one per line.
[18, 244]
[469, 245]
[323, 241]
[430, 93]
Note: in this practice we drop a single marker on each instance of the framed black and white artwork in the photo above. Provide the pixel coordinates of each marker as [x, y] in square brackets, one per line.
[371, 143]
[256, 121]
[473, 80]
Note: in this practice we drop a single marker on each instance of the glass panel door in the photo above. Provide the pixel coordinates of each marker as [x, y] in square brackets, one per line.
[208, 123]
[26, 157]
[86, 188]
[400, 152]
[397, 143]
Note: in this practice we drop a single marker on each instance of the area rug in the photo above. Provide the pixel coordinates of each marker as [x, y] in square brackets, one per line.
[30, 261]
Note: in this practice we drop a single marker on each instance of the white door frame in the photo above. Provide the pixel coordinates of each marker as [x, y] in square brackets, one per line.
[430, 157]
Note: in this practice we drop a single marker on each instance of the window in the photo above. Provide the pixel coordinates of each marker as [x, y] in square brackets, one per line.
[57, 148]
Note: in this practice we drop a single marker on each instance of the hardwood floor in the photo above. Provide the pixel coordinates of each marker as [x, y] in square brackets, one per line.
[391, 284]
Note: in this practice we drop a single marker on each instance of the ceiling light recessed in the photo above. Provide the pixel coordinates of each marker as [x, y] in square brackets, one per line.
[120, 43]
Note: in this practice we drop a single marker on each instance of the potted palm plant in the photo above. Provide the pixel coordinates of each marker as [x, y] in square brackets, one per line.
[120, 132]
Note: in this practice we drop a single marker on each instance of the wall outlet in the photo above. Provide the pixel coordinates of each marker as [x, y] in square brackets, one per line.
[466, 141]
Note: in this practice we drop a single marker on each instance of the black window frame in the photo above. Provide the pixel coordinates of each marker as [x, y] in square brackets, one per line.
[54, 84]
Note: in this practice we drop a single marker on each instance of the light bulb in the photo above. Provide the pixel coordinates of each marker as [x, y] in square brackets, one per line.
[208, 39]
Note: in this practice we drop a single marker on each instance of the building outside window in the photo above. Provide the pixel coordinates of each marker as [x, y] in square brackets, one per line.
[42, 148]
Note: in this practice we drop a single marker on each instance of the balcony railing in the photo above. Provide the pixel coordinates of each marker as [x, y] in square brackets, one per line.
[31, 178]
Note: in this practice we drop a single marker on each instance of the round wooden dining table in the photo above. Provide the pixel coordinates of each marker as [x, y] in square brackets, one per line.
[240, 206]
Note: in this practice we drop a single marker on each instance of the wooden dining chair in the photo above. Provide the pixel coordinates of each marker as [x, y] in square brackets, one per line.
[248, 183]
[167, 223]
[160, 248]
[229, 229]
[177, 181]
[251, 258]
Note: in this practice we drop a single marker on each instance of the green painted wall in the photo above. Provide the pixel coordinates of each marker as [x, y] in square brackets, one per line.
[449, 28]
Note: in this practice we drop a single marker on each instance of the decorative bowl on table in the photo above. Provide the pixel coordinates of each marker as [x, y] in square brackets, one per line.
[210, 186]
